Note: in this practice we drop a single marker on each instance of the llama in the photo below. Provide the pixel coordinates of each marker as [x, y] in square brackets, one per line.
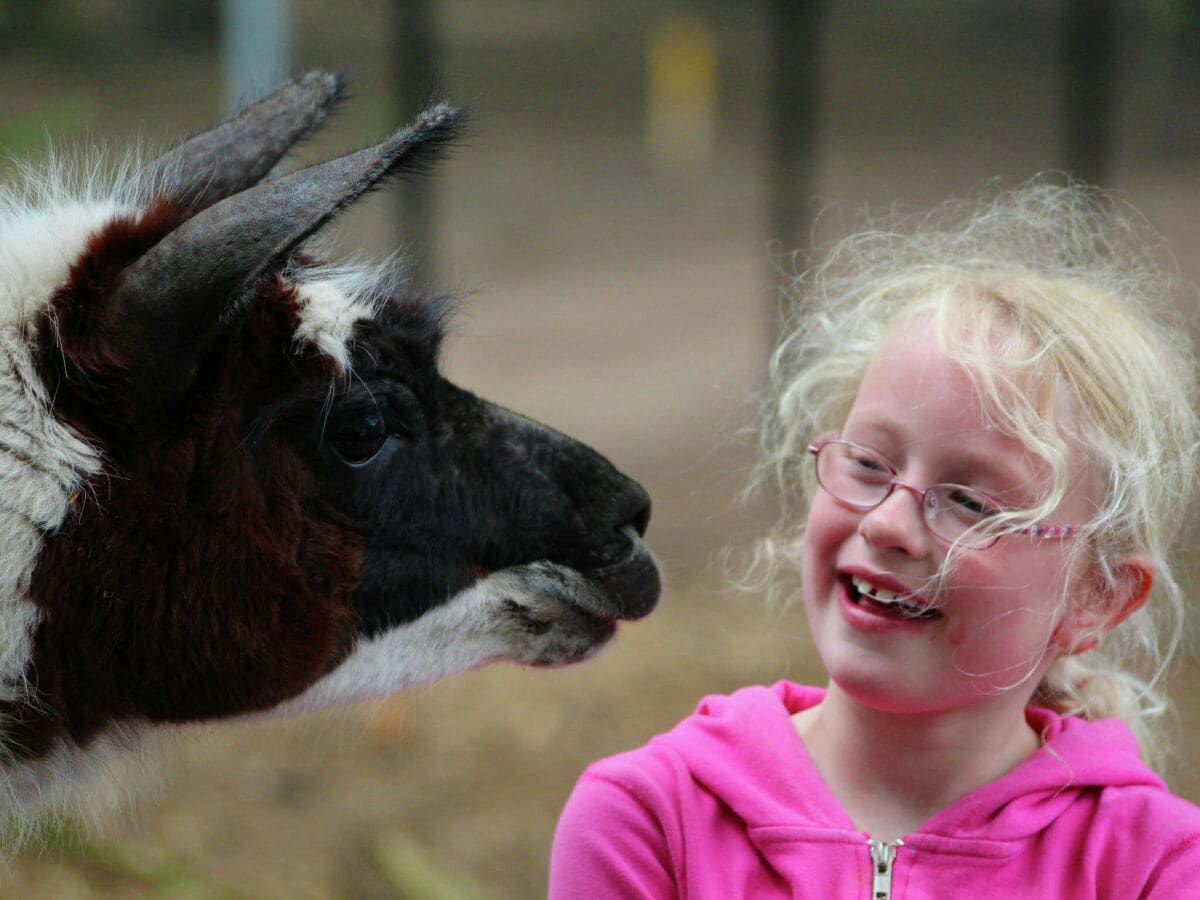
[232, 479]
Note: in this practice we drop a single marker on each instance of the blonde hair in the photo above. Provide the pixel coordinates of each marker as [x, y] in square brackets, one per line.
[1034, 290]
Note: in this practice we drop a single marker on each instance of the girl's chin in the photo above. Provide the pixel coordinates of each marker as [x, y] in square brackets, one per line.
[882, 694]
[895, 689]
[886, 683]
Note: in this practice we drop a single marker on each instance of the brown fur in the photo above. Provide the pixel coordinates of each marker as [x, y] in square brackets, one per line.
[269, 568]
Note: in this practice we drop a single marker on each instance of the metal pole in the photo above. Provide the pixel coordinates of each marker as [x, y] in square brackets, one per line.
[416, 56]
[1089, 68]
[256, 48]
[793, 33]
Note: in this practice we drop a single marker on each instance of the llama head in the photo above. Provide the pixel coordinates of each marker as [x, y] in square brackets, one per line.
[232, 477]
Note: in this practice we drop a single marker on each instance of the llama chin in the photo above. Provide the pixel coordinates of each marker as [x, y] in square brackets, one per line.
[234, 482]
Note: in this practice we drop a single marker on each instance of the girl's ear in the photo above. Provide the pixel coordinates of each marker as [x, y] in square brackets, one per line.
[1135, 581]
[1082, 628]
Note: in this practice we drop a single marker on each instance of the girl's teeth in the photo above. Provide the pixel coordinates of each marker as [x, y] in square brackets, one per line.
[878, 594]
[881, 595]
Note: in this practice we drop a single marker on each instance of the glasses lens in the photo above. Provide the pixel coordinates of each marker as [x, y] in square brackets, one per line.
[853, 475]
[952, 510]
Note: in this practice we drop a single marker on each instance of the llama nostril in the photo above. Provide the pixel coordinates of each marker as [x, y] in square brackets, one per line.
[641, 518]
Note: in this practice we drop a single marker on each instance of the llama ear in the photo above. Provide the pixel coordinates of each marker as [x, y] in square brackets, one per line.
[170, 304]
[240, 152]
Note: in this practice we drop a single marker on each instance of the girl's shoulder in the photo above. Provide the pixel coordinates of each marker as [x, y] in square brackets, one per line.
[1166, 849]
[1150, 810]
[727, 739]
[1118, 795]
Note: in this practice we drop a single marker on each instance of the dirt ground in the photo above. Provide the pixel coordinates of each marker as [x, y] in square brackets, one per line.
[625, 304]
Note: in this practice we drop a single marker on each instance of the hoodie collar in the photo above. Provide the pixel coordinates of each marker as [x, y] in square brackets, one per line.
[744, 748]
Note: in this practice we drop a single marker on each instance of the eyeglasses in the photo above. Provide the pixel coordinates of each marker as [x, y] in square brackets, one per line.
[861, 478]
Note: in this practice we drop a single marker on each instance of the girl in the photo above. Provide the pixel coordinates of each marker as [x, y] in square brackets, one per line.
[992, 427]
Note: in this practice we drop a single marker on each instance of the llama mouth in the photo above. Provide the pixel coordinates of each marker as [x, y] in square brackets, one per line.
[626, 587]
[883, 601]
[554, 615]
[629, 587]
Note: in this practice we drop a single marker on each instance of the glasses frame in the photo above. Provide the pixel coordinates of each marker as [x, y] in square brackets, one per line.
[1037, 531]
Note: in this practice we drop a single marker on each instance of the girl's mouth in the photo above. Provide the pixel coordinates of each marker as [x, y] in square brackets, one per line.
[884, 602]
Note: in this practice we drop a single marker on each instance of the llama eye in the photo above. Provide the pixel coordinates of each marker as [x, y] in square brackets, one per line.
[358, 440]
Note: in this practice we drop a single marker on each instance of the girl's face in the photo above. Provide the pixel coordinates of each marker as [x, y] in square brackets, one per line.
[998, 611]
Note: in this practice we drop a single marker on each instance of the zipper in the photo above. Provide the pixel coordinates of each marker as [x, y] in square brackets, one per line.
[883, 857]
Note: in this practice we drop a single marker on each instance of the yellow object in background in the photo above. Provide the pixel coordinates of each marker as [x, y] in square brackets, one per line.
[681, 102]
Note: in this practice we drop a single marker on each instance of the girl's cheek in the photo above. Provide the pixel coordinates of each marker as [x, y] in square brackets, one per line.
[958, 633]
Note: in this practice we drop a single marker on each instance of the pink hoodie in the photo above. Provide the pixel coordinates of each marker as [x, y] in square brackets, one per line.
[728, 804]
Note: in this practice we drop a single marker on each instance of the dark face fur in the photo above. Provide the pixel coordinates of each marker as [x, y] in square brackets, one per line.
[269, 524]
[449, 487]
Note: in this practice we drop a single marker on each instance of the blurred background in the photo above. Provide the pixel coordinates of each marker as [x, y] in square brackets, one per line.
[619, 220]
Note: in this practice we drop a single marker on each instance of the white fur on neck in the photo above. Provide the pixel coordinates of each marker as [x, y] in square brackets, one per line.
[45, 224]
[42, 461]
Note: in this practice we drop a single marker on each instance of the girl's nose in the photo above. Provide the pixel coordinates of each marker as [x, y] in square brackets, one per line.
[898, 523]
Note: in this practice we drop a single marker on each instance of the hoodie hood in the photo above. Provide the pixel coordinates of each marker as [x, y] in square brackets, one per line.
[744, 749]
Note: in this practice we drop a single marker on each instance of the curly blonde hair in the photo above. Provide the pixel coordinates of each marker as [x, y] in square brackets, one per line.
[1033, 290]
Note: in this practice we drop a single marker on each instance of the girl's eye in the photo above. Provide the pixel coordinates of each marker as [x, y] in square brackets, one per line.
[968, 505]
[864, 465]
[866, 462]
[359, 439]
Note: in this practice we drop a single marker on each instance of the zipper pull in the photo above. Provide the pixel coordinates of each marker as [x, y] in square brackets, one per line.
[883, 856]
